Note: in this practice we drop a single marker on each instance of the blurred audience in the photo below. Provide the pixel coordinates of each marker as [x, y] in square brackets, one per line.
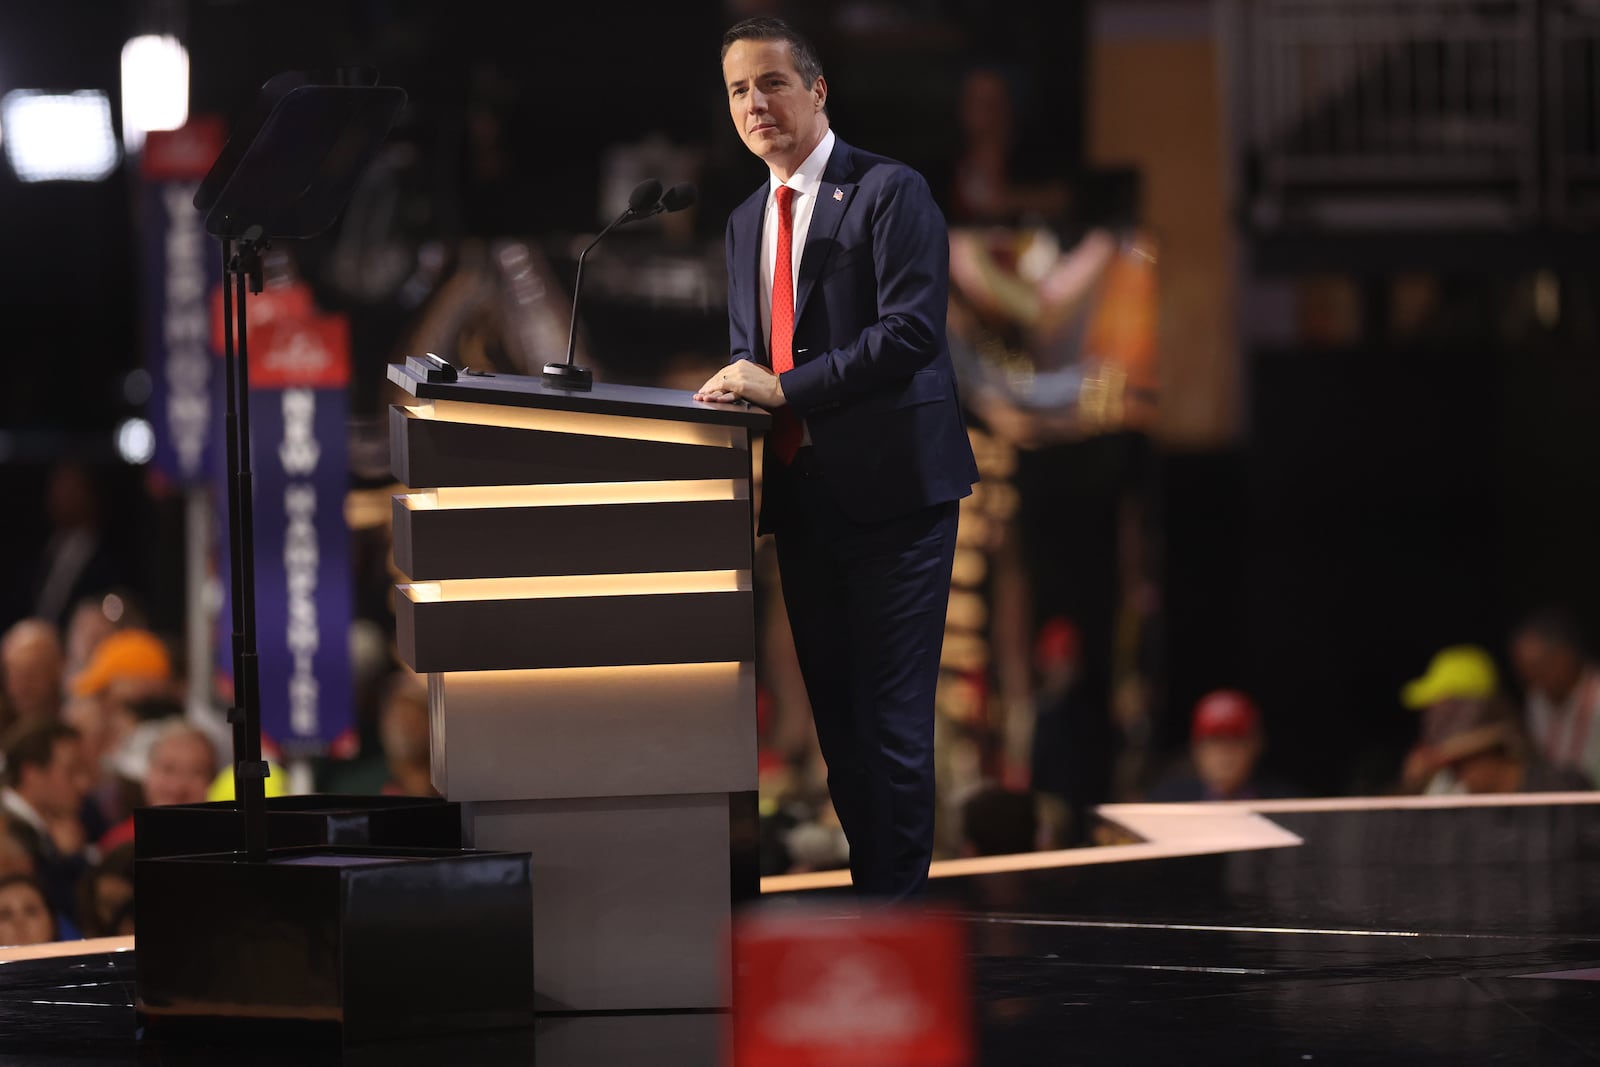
[127, 683]
[126, 666]
[1226, 743]
[88, 625]
[105, 895]
[817, 843]
[996, 821]
[14, 856]
[994, 179]
[1496, 758]
[1563, 687]
[403, 725]
[1458, 692]
[1073, 739]
[31, 664]
[47, 780]
[179, 767]
[74, 563]
[25, 917]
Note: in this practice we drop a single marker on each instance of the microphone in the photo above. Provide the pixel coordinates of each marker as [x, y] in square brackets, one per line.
[677, 198]
[645, 200]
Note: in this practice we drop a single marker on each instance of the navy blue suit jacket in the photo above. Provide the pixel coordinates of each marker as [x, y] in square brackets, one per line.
[872, 375]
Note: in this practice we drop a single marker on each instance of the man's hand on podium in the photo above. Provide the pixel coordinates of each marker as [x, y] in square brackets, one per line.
[744, 380]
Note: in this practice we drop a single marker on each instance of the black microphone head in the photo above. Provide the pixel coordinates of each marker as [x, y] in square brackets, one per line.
[678, 197]
[645, 195]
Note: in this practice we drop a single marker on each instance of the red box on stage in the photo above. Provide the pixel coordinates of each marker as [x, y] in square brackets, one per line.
[883, 989]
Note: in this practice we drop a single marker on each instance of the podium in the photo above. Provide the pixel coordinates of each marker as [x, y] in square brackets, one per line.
[577, 589]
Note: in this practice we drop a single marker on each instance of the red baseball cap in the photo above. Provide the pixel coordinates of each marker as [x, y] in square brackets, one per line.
[1058, 643]
[1225, 713]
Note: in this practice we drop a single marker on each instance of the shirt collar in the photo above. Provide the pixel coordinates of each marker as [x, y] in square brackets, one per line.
[15, 805]
[807, 178]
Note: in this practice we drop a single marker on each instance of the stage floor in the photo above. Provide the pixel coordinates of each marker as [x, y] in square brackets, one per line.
[1335, 932]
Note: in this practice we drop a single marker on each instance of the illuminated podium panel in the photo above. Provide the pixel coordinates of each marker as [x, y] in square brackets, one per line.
[577, 589]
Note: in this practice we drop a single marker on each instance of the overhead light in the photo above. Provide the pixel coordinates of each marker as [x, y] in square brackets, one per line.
[155, 87]
[59, 136]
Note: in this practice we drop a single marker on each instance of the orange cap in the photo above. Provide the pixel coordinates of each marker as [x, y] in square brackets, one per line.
[124, 654]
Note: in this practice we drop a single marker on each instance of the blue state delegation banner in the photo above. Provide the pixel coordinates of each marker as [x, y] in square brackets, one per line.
[299, 377]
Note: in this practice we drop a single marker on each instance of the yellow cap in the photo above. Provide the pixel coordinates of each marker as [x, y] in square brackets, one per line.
[277, 784]
[1455, 673]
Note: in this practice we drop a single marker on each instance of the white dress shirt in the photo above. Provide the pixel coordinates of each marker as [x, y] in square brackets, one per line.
[806, 183]
[1568, 734]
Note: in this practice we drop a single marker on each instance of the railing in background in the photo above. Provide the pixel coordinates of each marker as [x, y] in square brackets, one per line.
[1572, 108]
[1417, 113]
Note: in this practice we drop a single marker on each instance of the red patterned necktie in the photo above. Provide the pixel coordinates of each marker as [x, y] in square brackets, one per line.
[786, 434]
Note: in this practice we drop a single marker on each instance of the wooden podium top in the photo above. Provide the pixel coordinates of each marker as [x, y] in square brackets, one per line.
[526, 391]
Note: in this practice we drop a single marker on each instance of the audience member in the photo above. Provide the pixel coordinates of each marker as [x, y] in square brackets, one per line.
[1226, 743]
[87, 626]
[996, 821]
[25, 917]
[31, 664]
[15, 858]
[1458, 692]
[1495, 758]
[74, 563]
[1563, 686]
[127, 666]
[995, 178]
[818, 843]
[179, 767]
[105, 896]
[46, 783]
[128, 679]
[403, 724]
[1073, 739]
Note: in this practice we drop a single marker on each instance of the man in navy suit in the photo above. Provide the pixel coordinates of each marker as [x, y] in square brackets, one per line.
[837, 289]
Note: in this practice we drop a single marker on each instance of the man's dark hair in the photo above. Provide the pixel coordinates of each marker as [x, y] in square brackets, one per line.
[33, 745]
[44, 898]
[766, 28]
[999, 822]
[1556, 626]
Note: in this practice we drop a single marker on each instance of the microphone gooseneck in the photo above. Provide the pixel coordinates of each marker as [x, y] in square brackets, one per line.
[646, 200]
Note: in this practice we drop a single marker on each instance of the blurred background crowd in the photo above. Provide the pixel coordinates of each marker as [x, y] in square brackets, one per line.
[1277, 323]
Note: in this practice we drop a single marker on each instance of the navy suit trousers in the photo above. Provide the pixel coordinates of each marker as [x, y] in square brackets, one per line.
[867, 606]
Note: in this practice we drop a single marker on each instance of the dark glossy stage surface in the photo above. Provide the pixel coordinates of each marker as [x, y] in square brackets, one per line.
[1387, 937]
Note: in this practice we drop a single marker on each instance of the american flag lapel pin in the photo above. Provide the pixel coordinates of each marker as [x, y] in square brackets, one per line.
[838, 194]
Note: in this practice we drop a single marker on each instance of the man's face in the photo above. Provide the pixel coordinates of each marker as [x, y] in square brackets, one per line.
[24, 917]
[1547, 668]
[778, 116]
[1225, 764]
[181, 768]
[58, 788]
[32, 667]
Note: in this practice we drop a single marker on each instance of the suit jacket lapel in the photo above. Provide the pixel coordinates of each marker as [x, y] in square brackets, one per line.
[747, 220]
[833, 198]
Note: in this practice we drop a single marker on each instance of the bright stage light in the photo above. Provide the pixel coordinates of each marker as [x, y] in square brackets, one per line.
[59, 136]
[136, 441]
[155, 87]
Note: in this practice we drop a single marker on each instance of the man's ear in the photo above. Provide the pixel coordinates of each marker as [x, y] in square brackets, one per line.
[820, 91]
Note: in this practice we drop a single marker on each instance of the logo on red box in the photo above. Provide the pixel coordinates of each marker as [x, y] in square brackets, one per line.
[886, 989]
